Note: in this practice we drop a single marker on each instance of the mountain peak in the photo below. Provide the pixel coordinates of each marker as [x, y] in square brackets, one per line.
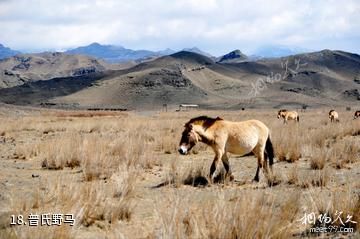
[233, 57]
[237, 51]
[95, 44]
[327, 51]
[198, 51]
[193, 57]
[192, 49]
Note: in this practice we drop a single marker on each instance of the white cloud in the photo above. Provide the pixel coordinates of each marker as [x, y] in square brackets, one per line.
[214, 25]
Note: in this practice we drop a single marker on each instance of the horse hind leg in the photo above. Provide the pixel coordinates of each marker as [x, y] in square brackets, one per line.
[260, 164]
[256, 178]
[259, 151]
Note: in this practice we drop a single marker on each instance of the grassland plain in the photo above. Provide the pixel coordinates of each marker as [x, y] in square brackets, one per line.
[121, 176]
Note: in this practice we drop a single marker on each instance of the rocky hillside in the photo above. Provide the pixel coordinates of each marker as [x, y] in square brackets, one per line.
[22, 68]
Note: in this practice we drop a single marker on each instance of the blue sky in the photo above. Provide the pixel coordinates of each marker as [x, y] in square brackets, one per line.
[214, 26]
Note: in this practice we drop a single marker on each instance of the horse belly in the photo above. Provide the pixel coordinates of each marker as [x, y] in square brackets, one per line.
[241, 146]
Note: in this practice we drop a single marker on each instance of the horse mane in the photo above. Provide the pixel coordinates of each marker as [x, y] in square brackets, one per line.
[282, 110]
[331, 111]
[205, 121]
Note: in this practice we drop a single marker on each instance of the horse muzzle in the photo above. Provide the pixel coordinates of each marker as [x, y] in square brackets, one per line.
[183, 150]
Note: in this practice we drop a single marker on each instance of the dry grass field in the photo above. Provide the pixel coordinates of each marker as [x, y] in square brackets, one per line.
[121, 176]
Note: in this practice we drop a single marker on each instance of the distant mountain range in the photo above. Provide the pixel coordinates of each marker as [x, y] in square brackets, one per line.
[83, 77]
[274, 51]
[115, 54]
[319, 79]
[7, 52]
[111, 53]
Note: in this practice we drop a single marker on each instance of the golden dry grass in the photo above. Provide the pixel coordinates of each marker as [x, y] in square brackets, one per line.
[224, 216]
[120, 175]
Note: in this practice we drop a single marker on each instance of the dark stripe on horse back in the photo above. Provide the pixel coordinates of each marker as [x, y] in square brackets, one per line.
[207, 121]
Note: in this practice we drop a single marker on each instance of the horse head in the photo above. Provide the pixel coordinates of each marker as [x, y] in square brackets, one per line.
[188, 140]
[281, 113]
[357, 114]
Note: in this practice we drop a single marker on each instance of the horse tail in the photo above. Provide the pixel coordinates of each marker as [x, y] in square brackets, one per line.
[297, 118]
[269, 151]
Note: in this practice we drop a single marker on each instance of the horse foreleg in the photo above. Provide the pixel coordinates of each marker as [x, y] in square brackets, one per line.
[215, 165]
[225, 161]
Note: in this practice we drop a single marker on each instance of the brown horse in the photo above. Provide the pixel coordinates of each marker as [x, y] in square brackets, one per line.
[333, 116]
[226, 137]
[357, 114]
[288, 115]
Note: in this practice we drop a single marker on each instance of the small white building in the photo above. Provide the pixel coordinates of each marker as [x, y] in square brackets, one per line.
[187, 107]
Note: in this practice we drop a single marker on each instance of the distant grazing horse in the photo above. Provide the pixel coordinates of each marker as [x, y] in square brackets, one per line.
[357, 114]
[229, 137]
[333, 116]
[288, 115]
